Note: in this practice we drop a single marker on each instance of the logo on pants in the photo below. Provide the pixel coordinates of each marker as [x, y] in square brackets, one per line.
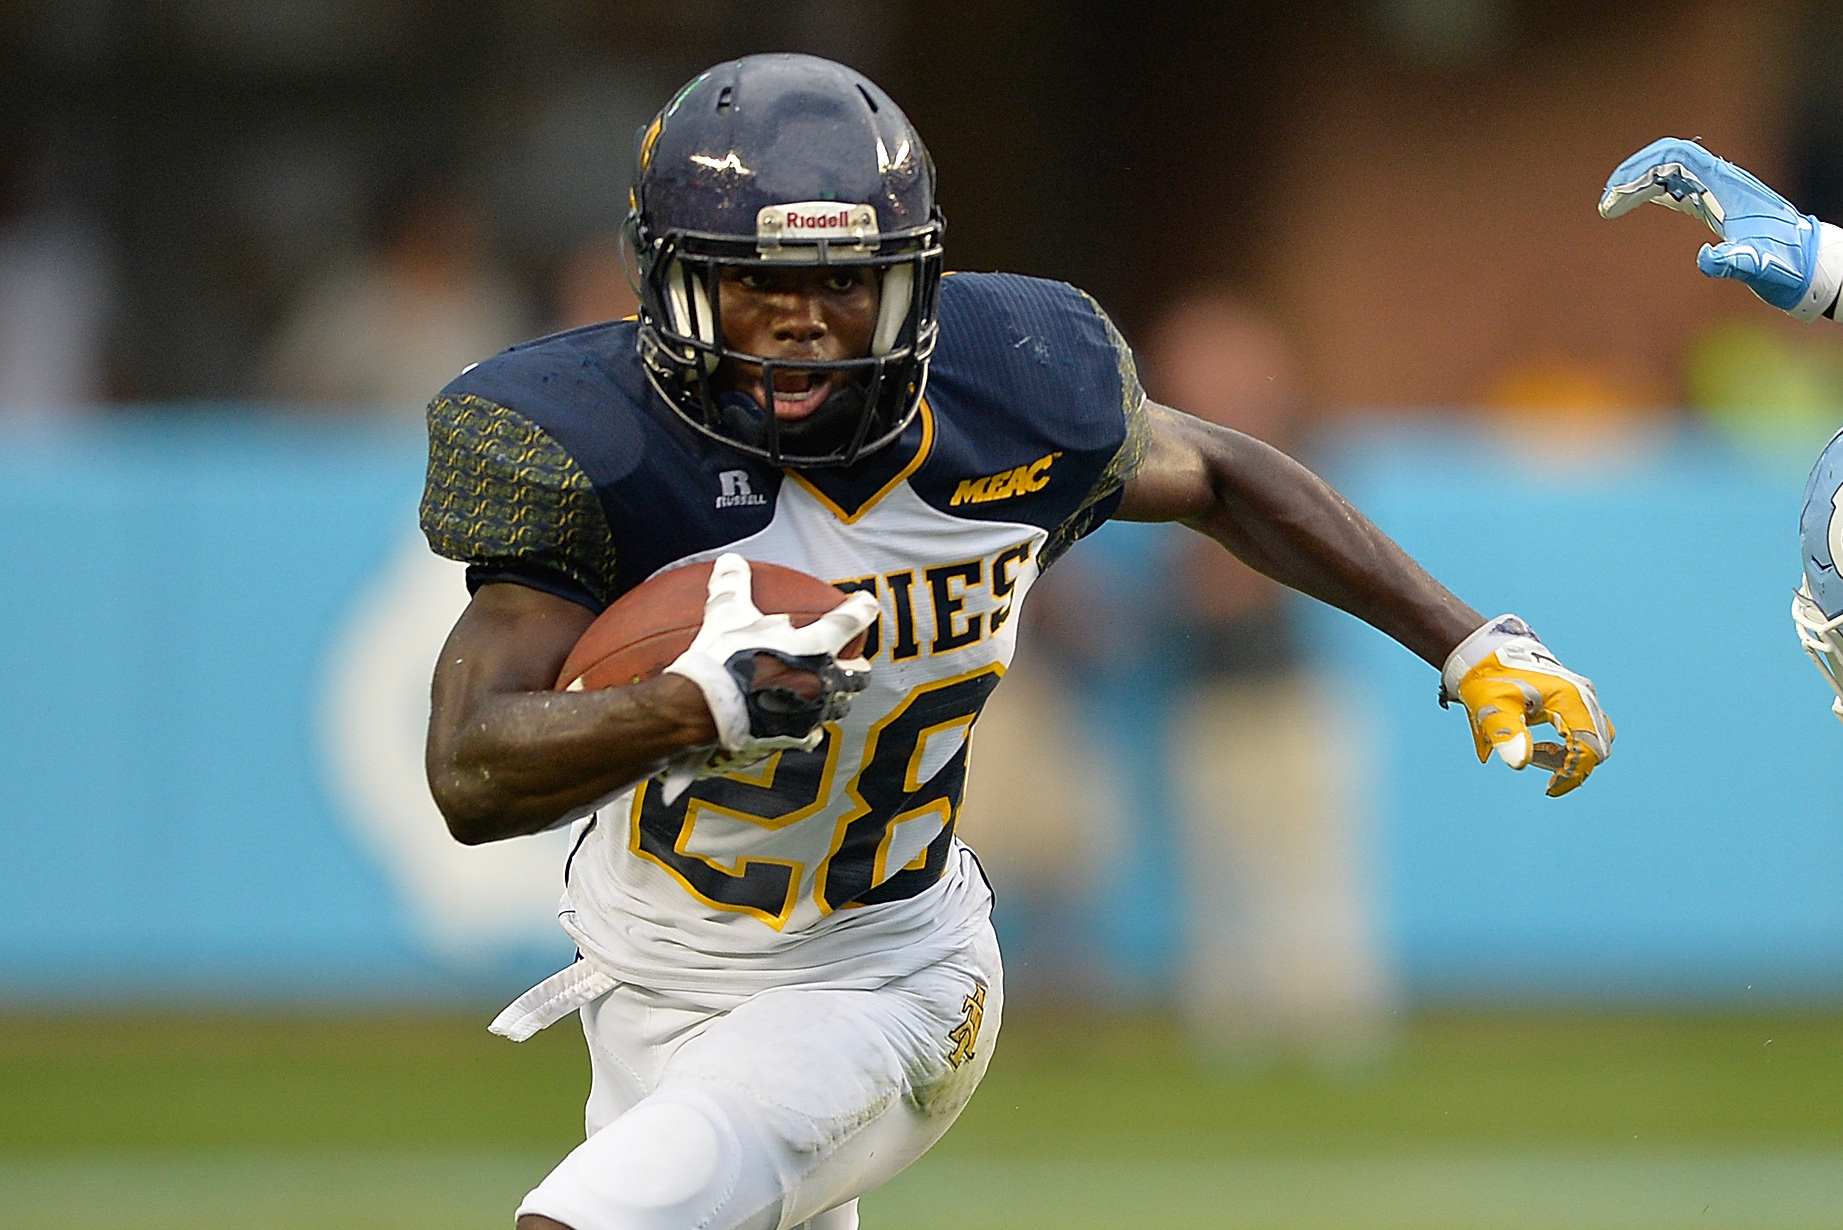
[965, 1035]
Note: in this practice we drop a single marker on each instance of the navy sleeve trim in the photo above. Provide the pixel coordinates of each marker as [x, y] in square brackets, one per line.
[1128, 459]
[532, 577]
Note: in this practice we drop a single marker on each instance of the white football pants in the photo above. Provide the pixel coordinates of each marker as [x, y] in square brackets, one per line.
[776, 1114]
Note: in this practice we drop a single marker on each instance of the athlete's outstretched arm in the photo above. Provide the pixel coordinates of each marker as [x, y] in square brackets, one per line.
[507, 755]
[1285, 521]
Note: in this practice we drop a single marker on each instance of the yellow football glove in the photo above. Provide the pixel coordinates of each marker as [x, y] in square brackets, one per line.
[1507, 679]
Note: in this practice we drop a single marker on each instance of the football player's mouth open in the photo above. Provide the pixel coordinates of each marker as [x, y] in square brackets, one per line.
[797, 394]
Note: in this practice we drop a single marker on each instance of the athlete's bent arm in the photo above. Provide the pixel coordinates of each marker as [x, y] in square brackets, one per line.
[1285, 521]
[507, 755]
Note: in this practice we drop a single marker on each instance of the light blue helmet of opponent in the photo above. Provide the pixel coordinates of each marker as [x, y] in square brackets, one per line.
[1817, 607]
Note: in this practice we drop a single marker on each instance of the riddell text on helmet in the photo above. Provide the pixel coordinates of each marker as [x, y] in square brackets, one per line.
[811, 222]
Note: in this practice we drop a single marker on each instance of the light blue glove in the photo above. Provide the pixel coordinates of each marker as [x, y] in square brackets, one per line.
[1766, 244]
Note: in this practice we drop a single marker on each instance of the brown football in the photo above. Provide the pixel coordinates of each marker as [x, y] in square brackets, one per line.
[652, 623]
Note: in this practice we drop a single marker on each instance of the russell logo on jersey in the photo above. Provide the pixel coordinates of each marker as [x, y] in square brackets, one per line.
[737, 490]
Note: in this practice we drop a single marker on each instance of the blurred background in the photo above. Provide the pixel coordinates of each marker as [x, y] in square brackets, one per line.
[1279, 952]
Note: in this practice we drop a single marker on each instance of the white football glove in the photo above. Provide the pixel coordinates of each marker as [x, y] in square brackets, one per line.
[1789, 259]
[1506, 679]
[755, 722]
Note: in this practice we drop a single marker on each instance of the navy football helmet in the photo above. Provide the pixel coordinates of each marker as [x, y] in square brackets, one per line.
[764, 162]
[1817, 607]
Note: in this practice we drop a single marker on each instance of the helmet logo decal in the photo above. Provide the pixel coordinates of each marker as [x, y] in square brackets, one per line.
[829, 223]
[885, 164]
[729, 162]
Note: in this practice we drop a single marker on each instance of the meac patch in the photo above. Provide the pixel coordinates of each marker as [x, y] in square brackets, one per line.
[1019, 480]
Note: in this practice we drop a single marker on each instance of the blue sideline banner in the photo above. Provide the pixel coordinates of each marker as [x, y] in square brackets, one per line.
[218, 631]
[1705, 859]
[217, 641]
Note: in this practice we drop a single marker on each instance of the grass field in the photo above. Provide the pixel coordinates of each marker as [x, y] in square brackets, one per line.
[1515, 1121]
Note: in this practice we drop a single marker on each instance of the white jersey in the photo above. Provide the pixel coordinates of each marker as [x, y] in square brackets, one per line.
[772, 860]
[837, 866]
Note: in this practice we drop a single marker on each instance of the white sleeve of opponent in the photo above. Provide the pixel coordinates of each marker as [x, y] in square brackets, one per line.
[1827, 281]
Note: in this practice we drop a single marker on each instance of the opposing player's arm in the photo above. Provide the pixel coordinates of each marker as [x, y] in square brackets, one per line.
[507, 755]
[1285, 521]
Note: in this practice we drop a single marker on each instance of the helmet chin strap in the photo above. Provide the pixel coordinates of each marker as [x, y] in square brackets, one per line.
[828, 429]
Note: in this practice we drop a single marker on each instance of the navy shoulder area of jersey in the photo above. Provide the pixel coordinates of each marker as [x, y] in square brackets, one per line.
[554, 464]
[1039, 417]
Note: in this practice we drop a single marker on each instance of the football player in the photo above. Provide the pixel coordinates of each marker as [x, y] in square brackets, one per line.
[1794, 262]
[788, 978]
